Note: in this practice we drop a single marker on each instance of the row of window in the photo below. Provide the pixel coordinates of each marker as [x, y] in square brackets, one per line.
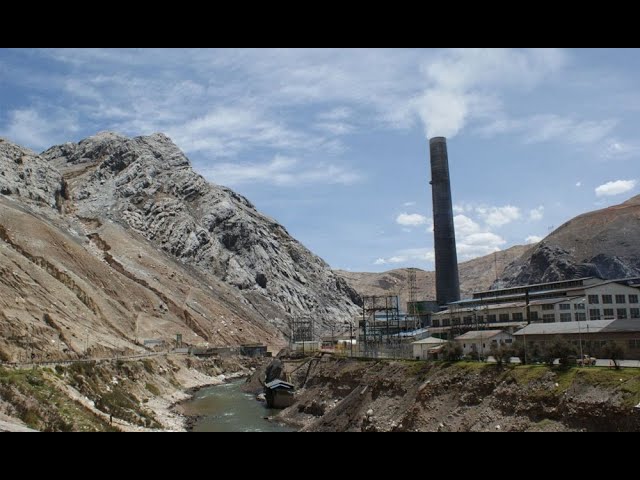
[613, 314]
[594, 314]
[563, 306]
[608, 299]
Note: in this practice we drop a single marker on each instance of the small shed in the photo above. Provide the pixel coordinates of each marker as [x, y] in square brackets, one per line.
[426, 348]
[279, 394]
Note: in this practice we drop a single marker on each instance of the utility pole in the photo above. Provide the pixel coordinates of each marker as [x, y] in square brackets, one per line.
[351, 337]
[411, 281]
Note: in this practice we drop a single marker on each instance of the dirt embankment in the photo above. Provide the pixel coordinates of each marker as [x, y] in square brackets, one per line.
[108, 396]
[351, 395]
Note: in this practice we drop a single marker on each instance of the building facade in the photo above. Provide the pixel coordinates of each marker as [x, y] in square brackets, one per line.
[556, 302]
[479, 342]
[593, 335]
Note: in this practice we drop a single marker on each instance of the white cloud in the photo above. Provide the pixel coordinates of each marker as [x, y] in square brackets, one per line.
[227, 131]
[550, 127]
[499, 216]
[336, 128]
[411, 219]
[281, 171]
[338, 113]
[578, 184]
[617, 149]
[531, 239]
[462, 208]
[536, 214]
[615, 188]
[473, 241]
[460, 79]
[478, 244]
[407, 256]
[444, 89]
[30, 128]
[465, 226]
[409, 204]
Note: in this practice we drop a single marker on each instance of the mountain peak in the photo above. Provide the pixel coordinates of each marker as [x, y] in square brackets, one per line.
[147, 184]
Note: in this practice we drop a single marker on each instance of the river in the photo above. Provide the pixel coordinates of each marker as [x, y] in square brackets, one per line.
[225, 408]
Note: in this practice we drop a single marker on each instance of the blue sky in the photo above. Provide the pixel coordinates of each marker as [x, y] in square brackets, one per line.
[333, 143]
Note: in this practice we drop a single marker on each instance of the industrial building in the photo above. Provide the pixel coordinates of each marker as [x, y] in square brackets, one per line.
[479, 342]
[593, 335]
[427, 348]
[608, 309]
[555, 302]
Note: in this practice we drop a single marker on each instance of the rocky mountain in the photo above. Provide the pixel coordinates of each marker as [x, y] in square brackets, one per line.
[603, 243]
[114, 240]
[477, 274]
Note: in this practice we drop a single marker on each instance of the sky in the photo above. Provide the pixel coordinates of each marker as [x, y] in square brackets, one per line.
[333, 144]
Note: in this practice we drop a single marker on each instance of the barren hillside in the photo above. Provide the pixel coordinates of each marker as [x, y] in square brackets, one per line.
[477, 274]
[113, 241]
[602, 243]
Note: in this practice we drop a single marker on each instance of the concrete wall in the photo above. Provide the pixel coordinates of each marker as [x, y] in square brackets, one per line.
[483, 346]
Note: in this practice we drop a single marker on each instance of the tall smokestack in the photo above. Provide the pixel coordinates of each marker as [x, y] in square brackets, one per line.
[447, 279]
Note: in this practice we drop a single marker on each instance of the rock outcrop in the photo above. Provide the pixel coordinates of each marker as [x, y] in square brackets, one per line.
[147, 184]
[26, 175]
[601, 243]
[113, 241]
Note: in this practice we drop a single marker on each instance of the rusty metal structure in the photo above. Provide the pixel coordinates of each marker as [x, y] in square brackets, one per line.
[380, 320]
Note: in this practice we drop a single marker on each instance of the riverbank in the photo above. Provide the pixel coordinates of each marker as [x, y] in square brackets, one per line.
[228, 408]
[121, 395]
[178, 407]
[354, 395]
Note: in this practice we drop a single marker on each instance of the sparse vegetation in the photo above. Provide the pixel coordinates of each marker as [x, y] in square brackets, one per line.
[153, 389]
[36, 399]
[613, 351]
[501, 353]
[559, 349]
[452, 352]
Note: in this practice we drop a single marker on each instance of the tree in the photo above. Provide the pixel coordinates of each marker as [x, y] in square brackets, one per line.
[520, 352]
[614, 352]
[451, 352]
[560, 349]
[501, 353]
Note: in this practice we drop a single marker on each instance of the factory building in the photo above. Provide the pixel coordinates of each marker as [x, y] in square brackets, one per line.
[555, 302]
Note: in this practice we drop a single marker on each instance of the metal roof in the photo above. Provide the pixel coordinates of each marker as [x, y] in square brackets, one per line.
[429, 340]
[628, 325]
[414, 333]
[539, 285]
[479, 334]
[279, 384]
[589, 326]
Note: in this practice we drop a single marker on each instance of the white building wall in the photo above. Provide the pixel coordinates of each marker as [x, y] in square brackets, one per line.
[483, 346]
[612, 290]
[577, 305]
